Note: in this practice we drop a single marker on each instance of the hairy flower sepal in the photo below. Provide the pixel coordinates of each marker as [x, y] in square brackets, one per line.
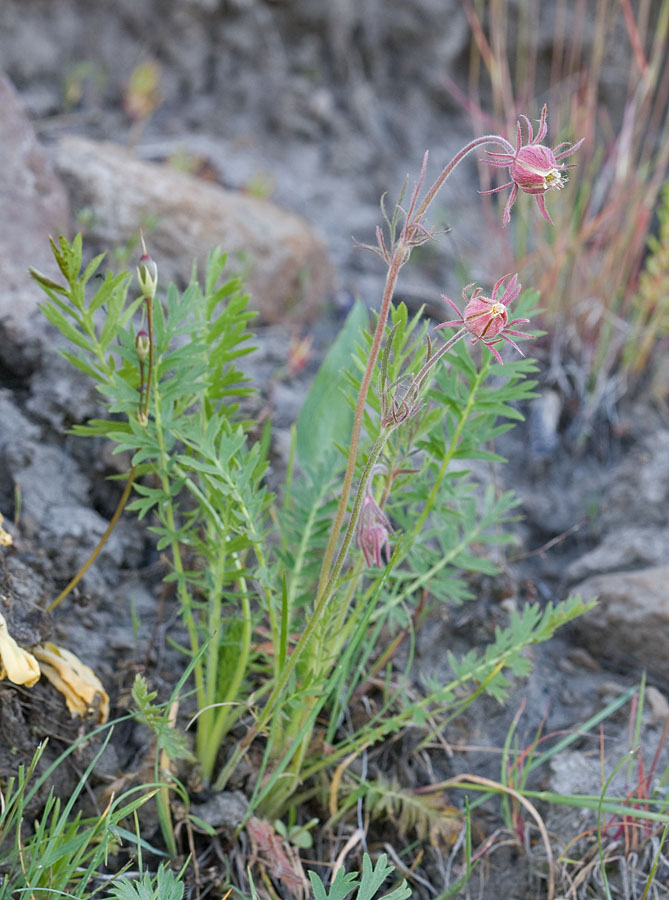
[373, 530]
[142, 345]
[533, 167]
[487, 318]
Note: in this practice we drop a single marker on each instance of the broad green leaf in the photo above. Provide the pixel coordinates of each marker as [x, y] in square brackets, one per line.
[326, 415]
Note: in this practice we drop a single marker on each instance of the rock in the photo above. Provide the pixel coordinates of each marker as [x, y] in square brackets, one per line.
[621, 549]
[55, 502]
[225, 810]
[545, 411]
[630, 624]
[576, 772]
[20, 593]
[61, 395]
[55, 508]
[34, 205]
[284, 263]
[657, 706]
[639, 490]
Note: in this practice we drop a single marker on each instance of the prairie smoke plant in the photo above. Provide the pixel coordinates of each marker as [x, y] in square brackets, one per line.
[533, 168]
[199, 473]
[487, 318]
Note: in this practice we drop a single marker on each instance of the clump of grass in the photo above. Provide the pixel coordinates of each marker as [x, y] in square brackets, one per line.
[62, 853]
[587, 268]
[651, 302]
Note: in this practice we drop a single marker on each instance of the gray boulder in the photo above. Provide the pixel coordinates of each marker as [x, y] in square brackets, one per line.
[34, 205]
[283, 261]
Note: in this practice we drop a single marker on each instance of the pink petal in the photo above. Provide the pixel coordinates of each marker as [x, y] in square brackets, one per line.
[541, 203]
[508, 294]
[530, 131]
[500, 188]
[453, 324]
[570, 150]
[543, 127]
[499, 164]
[508, 157]
[497, 284]
[513, 344]
[452, 305]
[495, 352]
[535, 189]
[506, 218]
[537, 156]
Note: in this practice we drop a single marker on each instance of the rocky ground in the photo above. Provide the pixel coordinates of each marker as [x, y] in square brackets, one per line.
[287, 123]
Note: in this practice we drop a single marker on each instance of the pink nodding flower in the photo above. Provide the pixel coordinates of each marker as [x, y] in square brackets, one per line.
[487, 319]
[373, 530]
[533, 168]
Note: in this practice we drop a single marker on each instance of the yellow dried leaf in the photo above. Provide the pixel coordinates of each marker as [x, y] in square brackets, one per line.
[6, 539]
[16, 663]
[78, 683]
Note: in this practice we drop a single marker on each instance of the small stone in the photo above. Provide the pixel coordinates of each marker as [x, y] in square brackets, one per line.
[225, 810]
[622, 549]
[545, 411]
[657, 704]
[630, 623]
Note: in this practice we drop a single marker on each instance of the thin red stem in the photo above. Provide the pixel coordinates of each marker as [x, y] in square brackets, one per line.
[399, 256]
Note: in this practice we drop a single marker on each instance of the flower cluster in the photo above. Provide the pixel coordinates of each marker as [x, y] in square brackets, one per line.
[533, 168]
[487, 318]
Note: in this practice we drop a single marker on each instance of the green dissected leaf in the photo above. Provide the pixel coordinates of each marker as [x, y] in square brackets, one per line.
[68, 256]
[164, 885]
[155, 717]
[341, 887]
[529, 626]
[373, 877]
[47, 283]
[66, 328]
[92, 268]
[304, 525]
[326, 415]
[368, 883]
[86, 367]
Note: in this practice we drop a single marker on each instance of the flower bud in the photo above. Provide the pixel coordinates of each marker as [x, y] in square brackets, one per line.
[535, 170]
[147, 274]
[373, 531]
[485, 319]
[142, 345]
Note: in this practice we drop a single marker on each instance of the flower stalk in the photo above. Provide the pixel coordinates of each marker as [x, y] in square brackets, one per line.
[413, 233]
[147, 277]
